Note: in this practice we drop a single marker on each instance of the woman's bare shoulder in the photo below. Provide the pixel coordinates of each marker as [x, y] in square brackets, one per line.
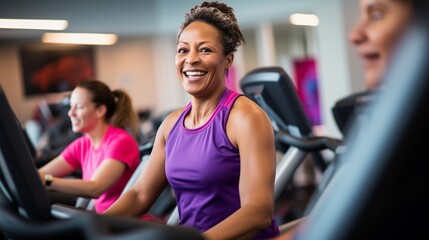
[245, 108]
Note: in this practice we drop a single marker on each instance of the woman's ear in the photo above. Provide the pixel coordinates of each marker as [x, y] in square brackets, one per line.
[229, 60]
[101, 111]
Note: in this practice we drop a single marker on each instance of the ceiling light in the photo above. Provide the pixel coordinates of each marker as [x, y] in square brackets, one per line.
[304, 19]
[35, 24]
[80, 38]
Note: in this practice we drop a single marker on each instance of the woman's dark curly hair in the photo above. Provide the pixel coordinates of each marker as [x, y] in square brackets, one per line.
[220, 16]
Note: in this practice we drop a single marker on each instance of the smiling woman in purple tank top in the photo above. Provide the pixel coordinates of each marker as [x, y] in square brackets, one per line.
[218, 152]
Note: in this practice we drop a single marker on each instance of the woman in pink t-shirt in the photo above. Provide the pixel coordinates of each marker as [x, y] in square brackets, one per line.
[107, 153]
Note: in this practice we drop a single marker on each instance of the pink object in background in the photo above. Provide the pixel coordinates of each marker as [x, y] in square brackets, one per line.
[230, 80]
[307, 85]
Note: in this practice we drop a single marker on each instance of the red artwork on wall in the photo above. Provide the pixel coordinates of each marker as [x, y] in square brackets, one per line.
[53, 69]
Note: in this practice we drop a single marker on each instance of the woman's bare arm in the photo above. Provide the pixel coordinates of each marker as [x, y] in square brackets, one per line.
[250, 129]
[151, 182]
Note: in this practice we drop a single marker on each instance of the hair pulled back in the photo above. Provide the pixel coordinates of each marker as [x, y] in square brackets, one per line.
[119, 109]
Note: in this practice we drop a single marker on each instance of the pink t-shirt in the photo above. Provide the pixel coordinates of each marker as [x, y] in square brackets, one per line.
[117, 144]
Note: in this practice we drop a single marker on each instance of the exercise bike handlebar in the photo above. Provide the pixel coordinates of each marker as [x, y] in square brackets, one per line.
[310, 144]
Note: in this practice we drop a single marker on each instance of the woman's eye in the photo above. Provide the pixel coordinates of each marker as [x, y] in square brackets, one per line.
[205, 50]
[181, 50]
[376, 14]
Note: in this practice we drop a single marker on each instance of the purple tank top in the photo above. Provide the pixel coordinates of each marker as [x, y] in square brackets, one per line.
[205, 172]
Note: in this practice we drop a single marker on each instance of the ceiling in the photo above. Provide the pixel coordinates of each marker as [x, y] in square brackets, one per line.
[133, 18]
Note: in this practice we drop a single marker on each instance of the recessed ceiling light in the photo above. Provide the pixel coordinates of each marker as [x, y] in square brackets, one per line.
[80, 38]
[34, 24]
[304, 19]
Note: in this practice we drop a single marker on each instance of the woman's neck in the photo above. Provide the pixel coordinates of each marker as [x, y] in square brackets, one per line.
[202, 109]
[97, 134]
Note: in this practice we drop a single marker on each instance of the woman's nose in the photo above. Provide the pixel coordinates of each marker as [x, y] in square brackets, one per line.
[357, 35]
[192, 57]
[71, 111]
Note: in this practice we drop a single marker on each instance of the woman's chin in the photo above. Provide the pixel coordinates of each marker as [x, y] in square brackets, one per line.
[372, 81]
[76, 129]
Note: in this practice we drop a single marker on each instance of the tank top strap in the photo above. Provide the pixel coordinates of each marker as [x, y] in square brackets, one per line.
[231, 96]
[188, 106]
